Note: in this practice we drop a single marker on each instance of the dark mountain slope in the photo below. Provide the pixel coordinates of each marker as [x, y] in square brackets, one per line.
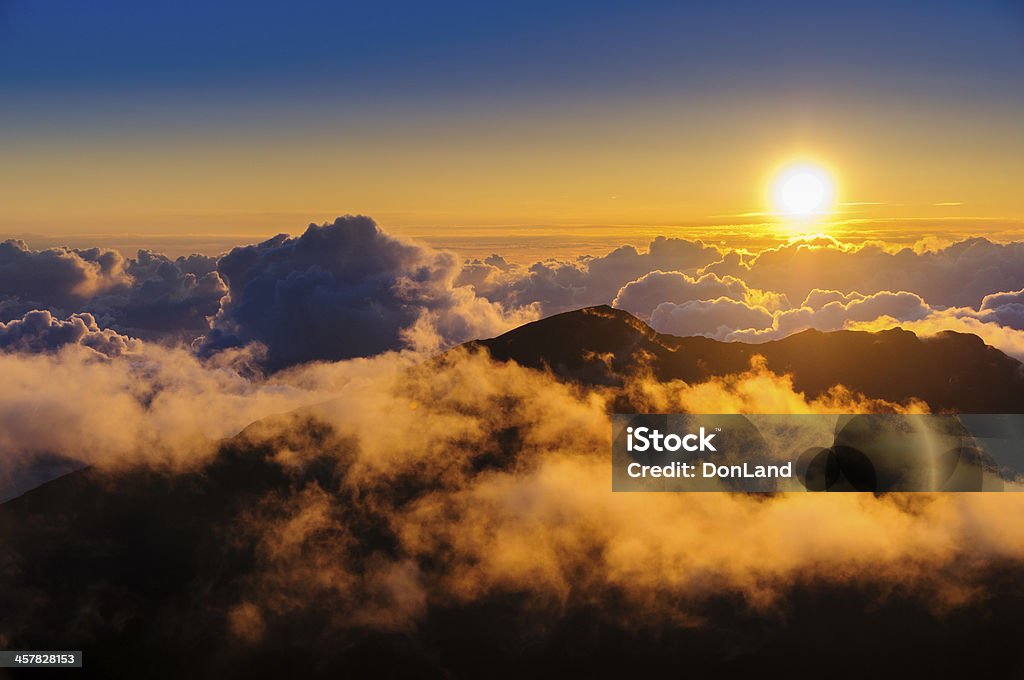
[952, 372]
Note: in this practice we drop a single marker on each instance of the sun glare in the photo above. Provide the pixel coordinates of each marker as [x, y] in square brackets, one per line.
[803, 190]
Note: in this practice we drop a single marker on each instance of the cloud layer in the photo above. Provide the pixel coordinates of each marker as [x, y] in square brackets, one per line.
[416, 490]
[347, 289]
[959, 275]
[689, 288]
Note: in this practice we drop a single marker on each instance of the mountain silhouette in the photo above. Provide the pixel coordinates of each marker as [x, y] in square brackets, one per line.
[951, 372]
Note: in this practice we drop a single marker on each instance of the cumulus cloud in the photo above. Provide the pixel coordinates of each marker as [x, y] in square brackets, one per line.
[959, 275]
[403, 294]
[1005, 308]
[556, 286]
[345, 290]
[997, 322]
[155, 405]
[150, 296]
[167, 297]
[837, 314]
[754, 390]
[642, 296]
[717, 318]
[557, 533]
[40, 331]
[56, 278]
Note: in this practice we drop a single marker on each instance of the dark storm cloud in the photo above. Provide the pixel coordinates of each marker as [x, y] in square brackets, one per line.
[345, 290]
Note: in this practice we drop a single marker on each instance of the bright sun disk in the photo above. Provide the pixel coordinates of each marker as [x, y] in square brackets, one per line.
[803, 190]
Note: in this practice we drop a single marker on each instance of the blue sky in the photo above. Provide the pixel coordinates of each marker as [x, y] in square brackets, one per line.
[453, 48]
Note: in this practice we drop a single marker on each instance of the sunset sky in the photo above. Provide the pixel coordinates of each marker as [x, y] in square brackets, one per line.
[315, 316]
[196, 126]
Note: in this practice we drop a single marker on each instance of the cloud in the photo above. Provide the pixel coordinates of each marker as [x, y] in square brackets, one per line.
[965, 285]
[402, 294]
[557, 533]
[642, 296]
[150, 296]
[712, 318]
[829, 310]
[837, 312]
[56, 278]
[492, 480]
[346, 290]
[166, 407]
[755, 390]
[818, 298]
[1005, 339]
[556, 286]
[1005, 308]
[997, 300]
[155, 405]
[167, 297]
[999, 322]
[40, 331]
[959, 275]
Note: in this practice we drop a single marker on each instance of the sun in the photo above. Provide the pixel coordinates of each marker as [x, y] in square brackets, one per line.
[803, 190]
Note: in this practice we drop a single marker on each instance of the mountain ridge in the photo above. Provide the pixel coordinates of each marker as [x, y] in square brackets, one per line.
[601, 345]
